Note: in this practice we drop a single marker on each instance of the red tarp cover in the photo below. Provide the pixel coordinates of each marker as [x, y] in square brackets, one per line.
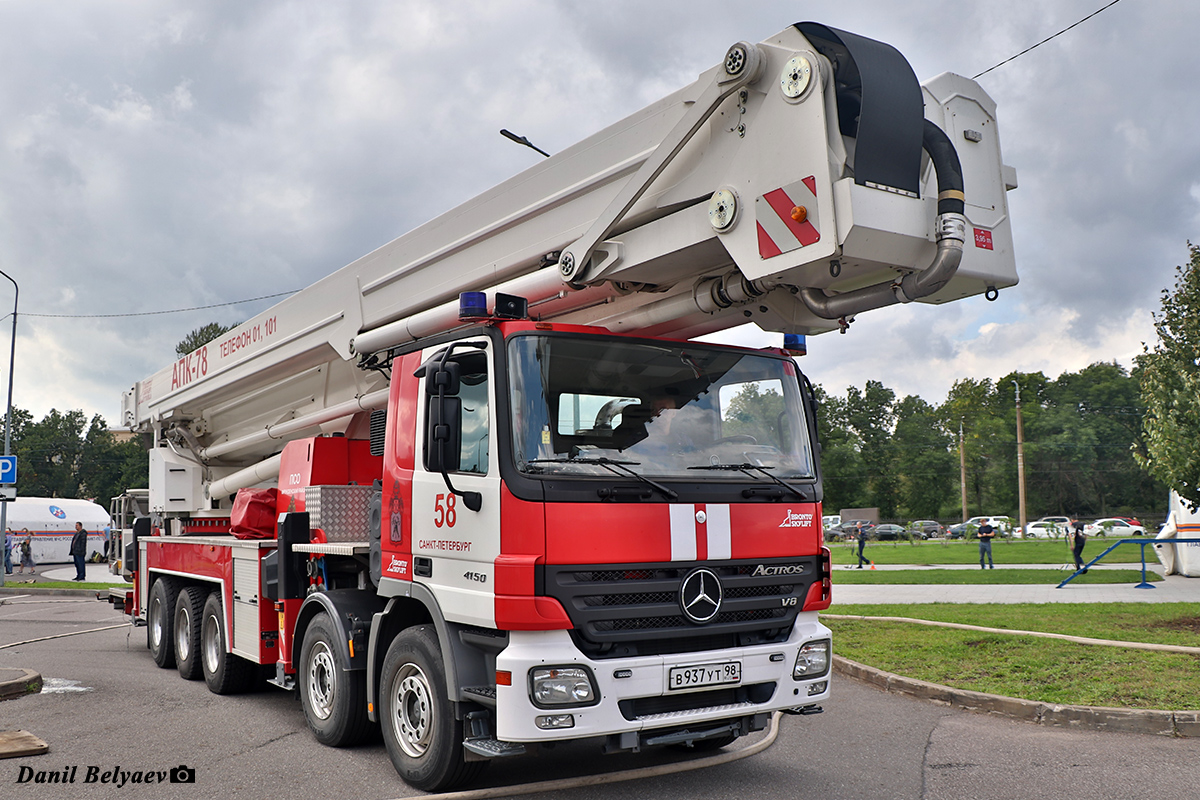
[253, 515]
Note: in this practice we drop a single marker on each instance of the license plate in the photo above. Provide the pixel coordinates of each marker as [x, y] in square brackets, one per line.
[704, 675]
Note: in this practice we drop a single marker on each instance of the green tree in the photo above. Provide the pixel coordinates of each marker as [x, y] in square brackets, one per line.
[843, 476]
[871, 415]
[66, 455]
[201, 336]
[1169, 377]
[923, 458]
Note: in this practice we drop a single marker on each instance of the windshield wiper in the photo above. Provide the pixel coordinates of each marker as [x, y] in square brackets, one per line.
[746, 467]
[613, 466]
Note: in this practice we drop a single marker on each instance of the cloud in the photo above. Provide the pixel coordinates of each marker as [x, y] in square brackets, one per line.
[163, 155]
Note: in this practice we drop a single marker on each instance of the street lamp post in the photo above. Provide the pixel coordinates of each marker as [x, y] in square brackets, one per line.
[962, 469]
[1020, 460]
[12, 357]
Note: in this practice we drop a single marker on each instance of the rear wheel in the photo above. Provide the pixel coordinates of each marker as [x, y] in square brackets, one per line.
[334, 698]
[189, 609]
[423, 738]
[224, 672]
[160, 621]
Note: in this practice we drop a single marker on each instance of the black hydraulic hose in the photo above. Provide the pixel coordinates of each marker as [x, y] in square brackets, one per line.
[950, 234]
[946, 164]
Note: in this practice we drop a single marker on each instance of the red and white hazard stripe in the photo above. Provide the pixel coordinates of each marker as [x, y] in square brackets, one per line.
[778, 229]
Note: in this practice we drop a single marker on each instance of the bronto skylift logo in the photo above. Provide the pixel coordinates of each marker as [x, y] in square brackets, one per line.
[795, 519]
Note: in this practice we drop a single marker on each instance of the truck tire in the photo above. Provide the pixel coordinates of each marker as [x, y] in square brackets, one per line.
[189, 610]
[334, 698]
[423, 738]
[224, 672]
[160, 621]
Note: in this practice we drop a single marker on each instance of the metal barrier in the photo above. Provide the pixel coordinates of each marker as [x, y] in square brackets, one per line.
[1143, 542]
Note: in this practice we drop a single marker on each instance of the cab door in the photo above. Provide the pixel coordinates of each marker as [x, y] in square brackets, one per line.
[455, 547]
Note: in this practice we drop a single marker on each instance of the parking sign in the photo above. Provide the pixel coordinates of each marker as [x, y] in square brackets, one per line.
[8, 469]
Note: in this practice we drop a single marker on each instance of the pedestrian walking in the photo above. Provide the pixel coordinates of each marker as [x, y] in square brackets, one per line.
[862, 542]
[986, 534]
[9, 541]
[1077, 545]
[26, 552]
[79, 551]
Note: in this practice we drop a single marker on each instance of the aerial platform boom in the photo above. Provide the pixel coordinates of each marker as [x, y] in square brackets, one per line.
[793, 185]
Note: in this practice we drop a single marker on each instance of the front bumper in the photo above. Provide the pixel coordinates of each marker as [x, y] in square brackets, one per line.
[640, 700]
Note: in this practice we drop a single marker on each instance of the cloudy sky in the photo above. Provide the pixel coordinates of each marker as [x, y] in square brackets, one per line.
[161, 155]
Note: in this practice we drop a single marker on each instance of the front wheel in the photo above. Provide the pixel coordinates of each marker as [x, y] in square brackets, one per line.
[423, 738]
[334, 698]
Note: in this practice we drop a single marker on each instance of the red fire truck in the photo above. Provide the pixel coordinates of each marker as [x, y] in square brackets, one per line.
[482, 489]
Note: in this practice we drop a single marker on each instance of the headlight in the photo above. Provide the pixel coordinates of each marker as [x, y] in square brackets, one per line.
[562, 686]
[812, 661]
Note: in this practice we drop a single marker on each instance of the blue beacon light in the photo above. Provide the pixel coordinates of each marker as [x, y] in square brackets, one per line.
[472, 305]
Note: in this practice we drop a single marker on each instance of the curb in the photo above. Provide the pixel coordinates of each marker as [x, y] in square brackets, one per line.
[1184, 724]
[32, 589]
[27, 682]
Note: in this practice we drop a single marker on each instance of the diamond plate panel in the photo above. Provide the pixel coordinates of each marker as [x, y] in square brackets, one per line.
[343, 512]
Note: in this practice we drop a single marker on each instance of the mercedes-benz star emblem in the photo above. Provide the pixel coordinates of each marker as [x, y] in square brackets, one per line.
[700, 596]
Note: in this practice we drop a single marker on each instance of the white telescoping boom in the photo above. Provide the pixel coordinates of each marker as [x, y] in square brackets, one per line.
[794, 185]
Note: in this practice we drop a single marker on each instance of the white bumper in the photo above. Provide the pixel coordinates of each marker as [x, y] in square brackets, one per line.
[516, 713]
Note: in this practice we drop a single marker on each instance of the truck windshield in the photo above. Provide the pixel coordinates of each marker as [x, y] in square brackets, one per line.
[660, 409]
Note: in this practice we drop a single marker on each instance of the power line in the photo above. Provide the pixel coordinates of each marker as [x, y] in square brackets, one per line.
[1048, 38]
[154, 313]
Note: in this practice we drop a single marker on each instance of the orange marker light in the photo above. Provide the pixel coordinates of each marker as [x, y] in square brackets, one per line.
[503, 678]
[799, 213]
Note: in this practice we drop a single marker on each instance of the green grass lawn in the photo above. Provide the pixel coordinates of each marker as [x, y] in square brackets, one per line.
[1160, 623]
[1031, 551]
[990, 577]
[1031, 668]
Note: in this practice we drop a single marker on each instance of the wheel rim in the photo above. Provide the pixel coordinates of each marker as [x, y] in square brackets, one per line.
[211, 639]
[156, 622]
[322, 680]
[412, 710]
[183, 634]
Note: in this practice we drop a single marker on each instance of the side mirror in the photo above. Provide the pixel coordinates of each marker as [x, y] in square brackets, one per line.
[442, 378]
[443, 438]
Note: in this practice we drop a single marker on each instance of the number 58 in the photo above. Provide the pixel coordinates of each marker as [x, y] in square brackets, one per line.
[443, 510]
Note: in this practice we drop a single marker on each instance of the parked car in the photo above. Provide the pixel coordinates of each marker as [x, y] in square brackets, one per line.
[890, 533]
[1116, 526]
[926, 528]
[831, 521]
[1044, 530]
[1131, 521]
[1064, 521]
[956, 531]
[849, 528]
[1003, 525]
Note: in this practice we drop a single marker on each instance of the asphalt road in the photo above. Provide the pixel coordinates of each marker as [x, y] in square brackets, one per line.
[107, 706]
